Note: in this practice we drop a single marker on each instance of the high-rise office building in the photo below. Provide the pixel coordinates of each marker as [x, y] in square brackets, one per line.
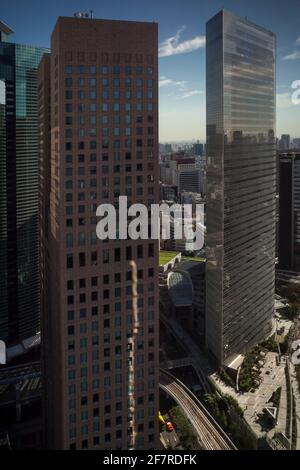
[289, 211]
[296, 143]
[100, 374]
[241, 181]
[19, 308]
[285, 142]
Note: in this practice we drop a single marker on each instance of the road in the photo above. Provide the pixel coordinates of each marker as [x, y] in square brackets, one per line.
[211, 436]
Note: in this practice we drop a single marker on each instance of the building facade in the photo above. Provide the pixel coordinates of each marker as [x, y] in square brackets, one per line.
[241, 184]
[19, 309]
[100, 369]
[289, 211]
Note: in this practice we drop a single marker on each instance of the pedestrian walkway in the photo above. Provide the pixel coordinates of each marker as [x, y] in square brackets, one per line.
[297, 401]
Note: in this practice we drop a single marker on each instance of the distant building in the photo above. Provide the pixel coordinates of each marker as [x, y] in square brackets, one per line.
[187, 175]
[296, 144]
[289, 211]
[198, 148]
[168, 192]
[285, 142]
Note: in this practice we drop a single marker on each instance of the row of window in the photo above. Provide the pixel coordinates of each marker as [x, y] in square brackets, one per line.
[104, 69]
[116, 156]
[106, 279]
[82, 196]
[85, 415]
[105, 119]
[83, 313]
[118, 292]
[107, 410]
[92, 95]
[107, 256]
[95, 354]
[105, 144]
[94, 296]
[95, 370]
[105, 107]
[105, 131]
[116, 82]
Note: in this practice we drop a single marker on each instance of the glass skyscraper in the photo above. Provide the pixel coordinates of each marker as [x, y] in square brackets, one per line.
[241, 179]
[19, 308]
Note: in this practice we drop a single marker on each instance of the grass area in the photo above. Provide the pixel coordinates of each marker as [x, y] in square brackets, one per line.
[193, 258]
[166, 256]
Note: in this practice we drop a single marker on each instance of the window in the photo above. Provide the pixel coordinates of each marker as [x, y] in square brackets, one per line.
[71, 315]
[105, 256]
[69, 261]
[117, 254]
[81, 259]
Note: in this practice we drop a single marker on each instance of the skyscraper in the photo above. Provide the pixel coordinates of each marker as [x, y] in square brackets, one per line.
[101, 379]
[285, 142]
[19, 308]
[241, 180]
[289, 211]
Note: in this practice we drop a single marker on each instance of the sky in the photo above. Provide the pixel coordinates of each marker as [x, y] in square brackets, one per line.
[181, 49]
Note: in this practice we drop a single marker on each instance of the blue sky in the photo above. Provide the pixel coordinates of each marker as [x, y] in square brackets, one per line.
[181, 37]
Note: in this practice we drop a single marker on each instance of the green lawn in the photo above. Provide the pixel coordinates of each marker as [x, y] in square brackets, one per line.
[166, 256]
[193, 258]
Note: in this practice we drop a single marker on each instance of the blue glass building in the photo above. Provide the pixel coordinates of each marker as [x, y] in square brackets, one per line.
[19, 306]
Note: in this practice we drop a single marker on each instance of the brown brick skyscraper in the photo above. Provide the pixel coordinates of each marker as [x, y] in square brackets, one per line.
[103, 122]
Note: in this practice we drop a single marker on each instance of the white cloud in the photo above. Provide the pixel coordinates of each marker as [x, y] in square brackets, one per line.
[173, 46]
[283, 100]
[293, 56]
[179, 89]
[164, 82]
[298, 41]
[190, 93]
[181, 84]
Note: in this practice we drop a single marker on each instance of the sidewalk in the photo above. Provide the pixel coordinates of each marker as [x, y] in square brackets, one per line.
[297, 401]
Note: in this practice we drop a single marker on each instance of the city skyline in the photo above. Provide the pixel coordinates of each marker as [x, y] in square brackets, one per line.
[181, 52]
[150, 228]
